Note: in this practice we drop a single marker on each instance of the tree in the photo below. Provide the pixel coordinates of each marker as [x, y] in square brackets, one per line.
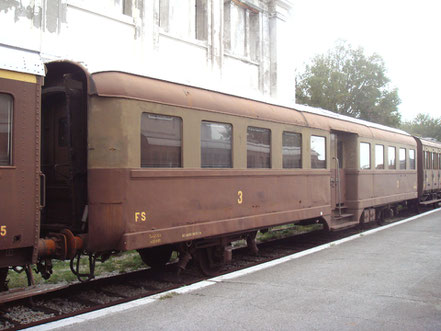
[423, 125]
[348, 82]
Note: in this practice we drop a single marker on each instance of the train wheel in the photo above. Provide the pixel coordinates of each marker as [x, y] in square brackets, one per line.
[3, 281]
[156, 257]
[380, 217]
[210, 260]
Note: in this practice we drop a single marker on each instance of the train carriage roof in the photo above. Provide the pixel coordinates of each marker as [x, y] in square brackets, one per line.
[124, 85]
[428, 142]
[27, 62]
[111, 83]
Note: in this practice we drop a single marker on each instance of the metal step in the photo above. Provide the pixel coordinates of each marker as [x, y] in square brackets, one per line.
[340, 222]
[425, 203]
[343, 225]
[342, 216]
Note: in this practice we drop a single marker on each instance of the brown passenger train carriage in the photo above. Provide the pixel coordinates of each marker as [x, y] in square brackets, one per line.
[131, 162]
[19, 167]
[429, 171]
[153, 181]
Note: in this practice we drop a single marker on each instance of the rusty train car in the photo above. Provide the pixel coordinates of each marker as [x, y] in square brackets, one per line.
[93, 164]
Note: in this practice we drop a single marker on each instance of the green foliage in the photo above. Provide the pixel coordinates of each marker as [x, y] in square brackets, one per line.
[348, 82]
[424, 126]
[288, 230]
[121, 263]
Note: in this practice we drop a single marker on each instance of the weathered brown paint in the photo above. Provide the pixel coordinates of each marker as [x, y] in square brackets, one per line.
[200, 203]
[182, 205]
[20, 182]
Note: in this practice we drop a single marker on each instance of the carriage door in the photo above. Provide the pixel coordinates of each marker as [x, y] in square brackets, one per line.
[428, 172]
[63, 152]
[338, 182]
[439, 171]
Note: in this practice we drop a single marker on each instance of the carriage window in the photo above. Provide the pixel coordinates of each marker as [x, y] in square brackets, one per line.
[379, 157]
[292, 150]
[161, 141]
[427, 160]
[365, 156]
[402, 156]
[5, 129]
[434, 159]
[412, 159]
[391, 157]
[216, 141]
[258, 148]
[318, 152]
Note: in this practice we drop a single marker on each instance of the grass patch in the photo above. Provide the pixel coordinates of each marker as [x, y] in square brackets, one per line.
[119, 263]
[283, 231]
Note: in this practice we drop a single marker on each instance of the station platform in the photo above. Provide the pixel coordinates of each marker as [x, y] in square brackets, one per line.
[384, 280]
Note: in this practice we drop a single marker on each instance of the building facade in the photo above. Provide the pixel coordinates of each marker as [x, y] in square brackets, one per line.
[234, 46]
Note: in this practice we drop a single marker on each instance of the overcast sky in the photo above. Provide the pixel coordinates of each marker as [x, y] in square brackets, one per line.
[405, 33]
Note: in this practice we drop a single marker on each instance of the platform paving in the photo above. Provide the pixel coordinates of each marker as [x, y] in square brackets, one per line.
[389, 280]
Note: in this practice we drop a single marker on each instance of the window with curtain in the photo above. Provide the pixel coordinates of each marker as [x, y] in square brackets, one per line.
[6, 116]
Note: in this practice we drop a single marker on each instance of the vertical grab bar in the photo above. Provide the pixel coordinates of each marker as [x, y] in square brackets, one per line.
[337, 170]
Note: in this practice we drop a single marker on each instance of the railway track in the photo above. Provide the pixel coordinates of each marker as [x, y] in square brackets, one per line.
[100, 293]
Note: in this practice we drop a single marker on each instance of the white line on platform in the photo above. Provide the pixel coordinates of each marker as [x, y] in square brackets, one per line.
[209, 282]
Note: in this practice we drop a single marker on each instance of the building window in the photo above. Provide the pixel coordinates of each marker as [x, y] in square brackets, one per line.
[127, 7]
[379, 157]
[392, 164]
[258, 148]
[402, 155]
[412, 164]
[292, 150]
[216, 145]
[241, 30]
[318, 152]
[365, 156]
[5, 129]
[184, 18]
[161, 141]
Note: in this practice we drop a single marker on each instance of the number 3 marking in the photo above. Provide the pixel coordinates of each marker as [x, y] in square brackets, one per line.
[239, 197]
